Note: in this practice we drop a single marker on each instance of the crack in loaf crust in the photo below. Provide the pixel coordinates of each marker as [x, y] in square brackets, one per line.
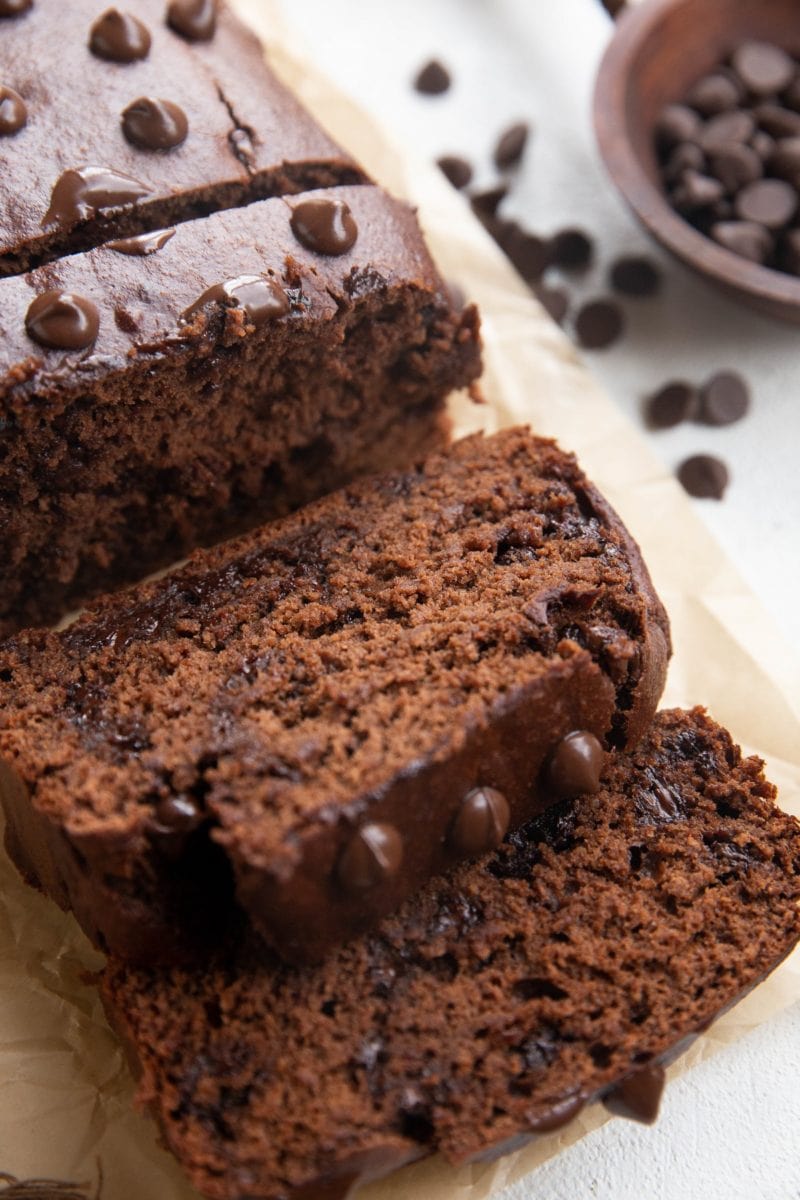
[371, 659]
[592, 945]
[248, 137]
[171, 433]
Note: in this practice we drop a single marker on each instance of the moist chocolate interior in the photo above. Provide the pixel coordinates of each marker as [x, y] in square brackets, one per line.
[597, 941]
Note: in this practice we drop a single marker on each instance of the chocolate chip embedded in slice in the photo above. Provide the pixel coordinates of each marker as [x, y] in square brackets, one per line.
[511, 145]
[745, 238]
[704, 476]
[676, 123]
[735, 165]
[571, 249]
[481, 822]
[638, 1095]
[152, 124]
[728, 127]
[724, 398]
[119, 37]
[194, 20]
[325, 226]
[433, 79]
[63, 321]
[671, 404]
[13, 112]
[371, 857]
[598, 324]
[455, 169]
[634, 275]
[769, 202]
[714, 93]
[762, 67]
[575, 766]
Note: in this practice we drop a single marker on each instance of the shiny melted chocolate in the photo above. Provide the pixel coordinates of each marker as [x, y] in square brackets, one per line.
[324, 226]
[142, 244]
[63, 321]
[152, 124]
[262, 299]
[80, 193]
[119, 37]
[195, 20]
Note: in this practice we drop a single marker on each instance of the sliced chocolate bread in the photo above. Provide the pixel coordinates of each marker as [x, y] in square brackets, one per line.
[335, 707]
[568, 965]
[160, 393]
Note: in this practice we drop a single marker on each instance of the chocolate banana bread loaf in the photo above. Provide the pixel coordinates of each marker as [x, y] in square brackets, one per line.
[333, 708]
[570, 964]
[133, 120]
[246, 363]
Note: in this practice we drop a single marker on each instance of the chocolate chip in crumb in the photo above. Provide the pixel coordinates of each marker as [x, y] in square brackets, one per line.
[481, 822]
[724, 398]
[671, 404]
[455, 169]
[571, 249]
[575, 765]
[433, 79]
[511, 146]
[635, 276]
[372, 857]
[598, 324]
[704, 476]
[762, 67]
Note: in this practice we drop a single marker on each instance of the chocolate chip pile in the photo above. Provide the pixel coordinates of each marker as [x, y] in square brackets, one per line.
[730, 155]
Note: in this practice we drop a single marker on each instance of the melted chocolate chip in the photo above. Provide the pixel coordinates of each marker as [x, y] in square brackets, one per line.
[638, 1095]
[152, 124]
[262, 299]
[79, 194]
[481, 822]
[195, 20]
[119, 37]
[372, 857]
[143, 244]
[13, 113]
[62, 321]
[325, 226]
[575, 766]
[14, 8]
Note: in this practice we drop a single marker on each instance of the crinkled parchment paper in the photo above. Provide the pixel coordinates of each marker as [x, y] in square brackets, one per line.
[65, 1092]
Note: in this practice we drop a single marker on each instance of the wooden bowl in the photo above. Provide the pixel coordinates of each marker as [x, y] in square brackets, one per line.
[660, 48]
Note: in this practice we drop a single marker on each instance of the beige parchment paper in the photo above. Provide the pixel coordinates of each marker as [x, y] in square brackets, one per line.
[65, 1091]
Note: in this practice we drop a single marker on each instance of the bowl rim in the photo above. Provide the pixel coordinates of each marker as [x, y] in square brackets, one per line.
[645, 199]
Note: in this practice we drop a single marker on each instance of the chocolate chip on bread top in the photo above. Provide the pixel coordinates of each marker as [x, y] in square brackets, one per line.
[332, 709]
[569, 965]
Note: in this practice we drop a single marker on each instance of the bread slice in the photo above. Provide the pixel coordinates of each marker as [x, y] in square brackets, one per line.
[568, 965]
[333, 708]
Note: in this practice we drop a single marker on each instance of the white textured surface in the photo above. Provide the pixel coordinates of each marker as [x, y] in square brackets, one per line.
[730, 1129]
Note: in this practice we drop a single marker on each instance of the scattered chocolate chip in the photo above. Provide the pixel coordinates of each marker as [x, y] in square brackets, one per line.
[457, 170]
[485, 204]
[776, 121]
[119, 37]
[735, 165]
[685, 157]
[575, 766]
[715, 93]
[677, 123]
[529, 253]
[704, 476]
[638, 1095]
[745, 238]
[14, 8]
[769, 202]
[697, 191]
[671, 404]
[372, 857]
[194, 20]
[13, 113]
[511, 146]
[554, 300]
[143, 244]
[762, 67]
[728, 127]
[724, 398]
[571, 249]
[324, 226]
[63, 321]
[635, 276]
[152, 124]
[433, 79]
[261, 299]
[79, 194]
[481, 822]
[598, 324]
